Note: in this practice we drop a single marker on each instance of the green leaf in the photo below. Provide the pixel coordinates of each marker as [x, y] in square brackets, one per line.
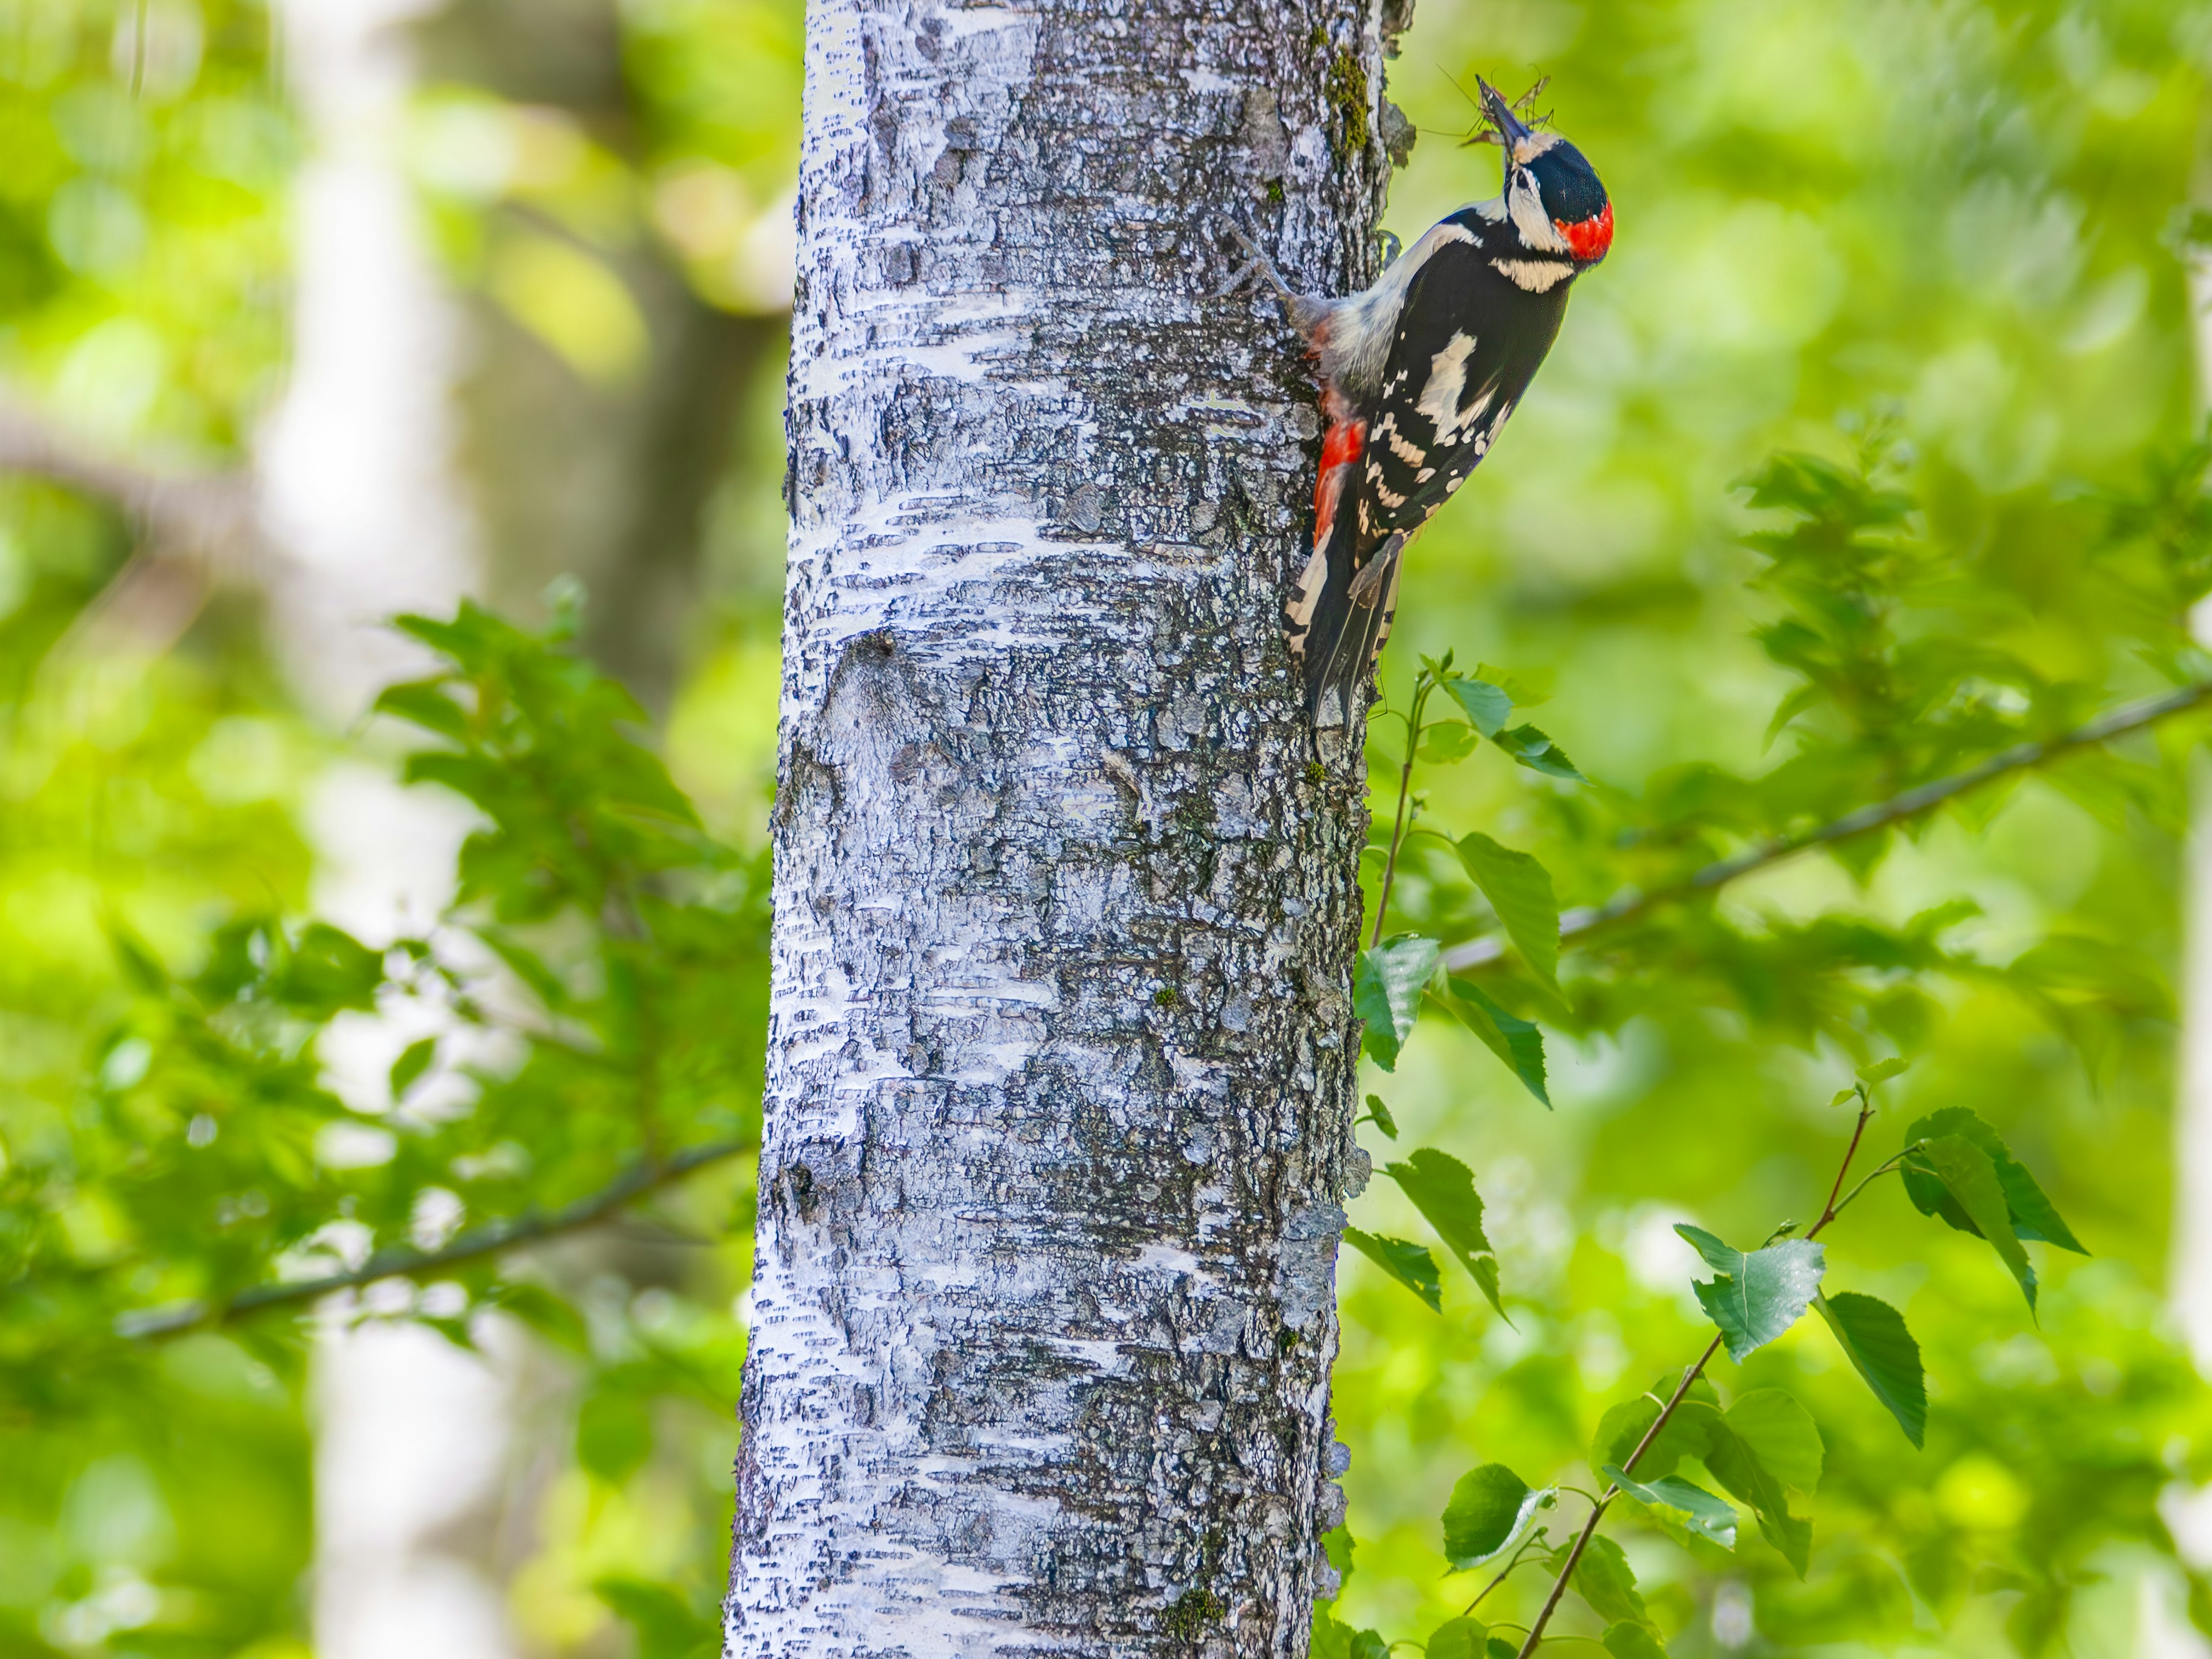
[1487, 705]
[2033, 1215]
[1449, 742]
[1411, 1265]
[140, 966]
[1386, 992]
[1331, 1637]
[1780, 1434]
[1516, 1041]
[425, 703]
[1520, 890]
[1622, 1428]
[1488, 1509]
[1458, 1638]
[1338, 1545]
[1737, 1468]
[1529, 691]
[1380, 1114]
[1532, 749]
[1691, 1509]
[329, 970]
[1499, 1648]
[1754, 1298]
[1369, 1644]
[665, 1625]
[1604, 1579]
[1443, 1190]
[1881, 1071]
[414, 1060]
[1630, 1640]
[614, 1433]
[1882, 1350]
[1970, 1178]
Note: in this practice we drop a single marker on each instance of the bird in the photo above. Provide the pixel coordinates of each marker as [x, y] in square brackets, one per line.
[1418, 373]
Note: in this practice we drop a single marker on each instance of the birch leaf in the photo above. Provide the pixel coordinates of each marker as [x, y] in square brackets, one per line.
[1520, 890]
[1411, 1265]
[1755, 1298]
[1882, 1350]
[1386, 992]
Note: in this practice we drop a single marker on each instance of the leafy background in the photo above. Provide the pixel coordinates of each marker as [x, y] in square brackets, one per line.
[1933, 255]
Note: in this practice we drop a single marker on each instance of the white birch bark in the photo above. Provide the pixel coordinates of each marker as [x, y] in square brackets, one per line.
[1062, 1054]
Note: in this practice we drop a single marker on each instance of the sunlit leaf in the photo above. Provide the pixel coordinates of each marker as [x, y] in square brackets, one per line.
[1411, 1265]
[1756, 1297]
[1631, 1640]
[1488, 706]
[1882, 1350]
[1693, 1509]
[1489, 1507]
[2033, 1215]
[1443, 1190]
[1458, 1638]
[1780, 1434]
[1386, 992]
[1517, 1041]
[1603, 1578]
[1520, 890]
[1969, 1178]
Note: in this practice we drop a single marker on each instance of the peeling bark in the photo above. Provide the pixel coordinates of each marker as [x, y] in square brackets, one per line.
[1062, 1053]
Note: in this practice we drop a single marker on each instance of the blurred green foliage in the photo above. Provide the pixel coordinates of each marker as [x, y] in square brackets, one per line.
[1868, 453]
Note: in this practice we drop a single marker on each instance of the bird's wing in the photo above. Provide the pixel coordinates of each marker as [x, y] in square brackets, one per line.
[1470, 340]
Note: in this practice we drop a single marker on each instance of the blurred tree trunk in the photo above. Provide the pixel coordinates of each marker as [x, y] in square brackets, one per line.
[607, 480]
[1062, 1055]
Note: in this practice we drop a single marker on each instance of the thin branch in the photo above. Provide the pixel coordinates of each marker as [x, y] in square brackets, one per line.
[1828, 1212]
[207, 515]
[1398, 827]
[478, 1243]
[1598, 1508]
[1579, 923]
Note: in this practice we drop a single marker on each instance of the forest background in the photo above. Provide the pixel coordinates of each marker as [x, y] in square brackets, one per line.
[1945, 248]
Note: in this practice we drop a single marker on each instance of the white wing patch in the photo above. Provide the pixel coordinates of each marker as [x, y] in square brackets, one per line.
[1447, 384]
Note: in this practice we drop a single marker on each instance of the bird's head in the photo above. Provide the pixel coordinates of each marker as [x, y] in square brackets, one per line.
[1552, 196]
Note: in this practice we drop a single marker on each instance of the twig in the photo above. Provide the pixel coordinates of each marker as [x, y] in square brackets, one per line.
[1506, 1572]
[201, 514]
[1828, 1212]
[1584, 921]
[1405, 785]
[479, 1242]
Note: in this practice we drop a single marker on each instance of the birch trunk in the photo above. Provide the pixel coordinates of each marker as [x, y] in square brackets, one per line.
[1062, 1054]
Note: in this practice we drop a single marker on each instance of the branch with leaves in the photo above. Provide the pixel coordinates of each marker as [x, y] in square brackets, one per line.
[1578, 924]
[596, 996]
[497, 1238]
[1762, 1447]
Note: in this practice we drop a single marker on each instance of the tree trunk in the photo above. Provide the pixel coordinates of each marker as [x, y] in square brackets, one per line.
[1062, 1060]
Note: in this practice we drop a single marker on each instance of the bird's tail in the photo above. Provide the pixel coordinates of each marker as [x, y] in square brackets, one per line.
[1340, 613]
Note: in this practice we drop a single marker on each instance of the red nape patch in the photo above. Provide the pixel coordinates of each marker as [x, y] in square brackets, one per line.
[1588, 240]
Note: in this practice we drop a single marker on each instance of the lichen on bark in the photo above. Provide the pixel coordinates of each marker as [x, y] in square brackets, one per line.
[1061, 1054]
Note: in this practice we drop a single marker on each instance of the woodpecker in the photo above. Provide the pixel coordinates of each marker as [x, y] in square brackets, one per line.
[1418, 375]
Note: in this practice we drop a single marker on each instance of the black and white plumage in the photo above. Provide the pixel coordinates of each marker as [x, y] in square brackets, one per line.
[1418, 373]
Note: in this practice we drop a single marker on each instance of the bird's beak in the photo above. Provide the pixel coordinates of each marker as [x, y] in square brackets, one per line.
[1512, 131]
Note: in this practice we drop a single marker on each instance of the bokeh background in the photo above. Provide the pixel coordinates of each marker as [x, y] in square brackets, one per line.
[319, 311]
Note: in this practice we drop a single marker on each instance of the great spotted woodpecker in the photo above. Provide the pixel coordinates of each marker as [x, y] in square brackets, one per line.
[1418, 375]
